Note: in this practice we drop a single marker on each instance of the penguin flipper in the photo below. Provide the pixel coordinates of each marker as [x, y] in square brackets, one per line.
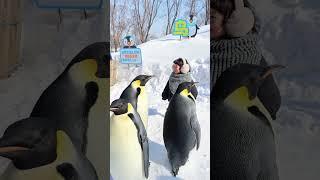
[67, 171]
[143, 140]
[196, 129]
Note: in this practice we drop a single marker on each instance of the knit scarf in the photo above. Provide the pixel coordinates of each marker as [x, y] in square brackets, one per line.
[228, 52]
[176, 79]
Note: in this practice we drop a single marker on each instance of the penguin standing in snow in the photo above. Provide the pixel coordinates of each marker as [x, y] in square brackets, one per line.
[243, 136]
[129, 148]
[181, 129]
[137, 95]
[38, 151]
[77, 101]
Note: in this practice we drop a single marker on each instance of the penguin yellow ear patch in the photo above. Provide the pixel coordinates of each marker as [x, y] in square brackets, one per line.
[84, 70]
[186, 93]
[240, 97]
[136, 84]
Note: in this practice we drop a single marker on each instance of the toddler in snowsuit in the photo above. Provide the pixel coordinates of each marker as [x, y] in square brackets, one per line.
[180, 73]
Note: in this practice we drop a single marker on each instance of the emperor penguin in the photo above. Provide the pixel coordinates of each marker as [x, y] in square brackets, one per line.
[244, 143]
[181, 129]
[38, 150]
[137, 95]
[129, 147]
[77, 101]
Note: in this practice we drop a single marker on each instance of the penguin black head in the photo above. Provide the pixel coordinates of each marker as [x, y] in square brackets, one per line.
[184, 89]
[242, 75]
[247, 78]
[141, 80]
[135, 88]
[99, 54]
[120, 106]
[29, 143]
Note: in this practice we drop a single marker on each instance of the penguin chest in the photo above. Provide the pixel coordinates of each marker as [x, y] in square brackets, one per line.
[142, 108]
[126, 161]
[97, 132]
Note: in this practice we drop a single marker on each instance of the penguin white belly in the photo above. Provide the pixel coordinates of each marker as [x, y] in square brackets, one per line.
[142, 108]
[125, 151]
[97, 132]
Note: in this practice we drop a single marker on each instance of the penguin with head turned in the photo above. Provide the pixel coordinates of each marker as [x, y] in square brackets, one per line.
[129, 147]
[38, 150]
[181, 129]
[137, 95]
[77, 100]
[243, 136]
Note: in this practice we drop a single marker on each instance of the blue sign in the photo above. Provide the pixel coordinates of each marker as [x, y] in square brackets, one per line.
[130, 56]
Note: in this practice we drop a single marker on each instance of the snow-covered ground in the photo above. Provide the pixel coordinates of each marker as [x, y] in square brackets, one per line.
[157, 57]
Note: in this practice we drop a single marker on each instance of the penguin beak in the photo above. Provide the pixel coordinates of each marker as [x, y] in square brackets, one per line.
[113, 109]
[10, 145]
[194, 83]
[149, 77]
[10, 149]
[146, 79]
[270, 70]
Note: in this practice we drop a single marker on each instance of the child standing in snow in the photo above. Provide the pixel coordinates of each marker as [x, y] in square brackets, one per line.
[235, 29]
[180, 73]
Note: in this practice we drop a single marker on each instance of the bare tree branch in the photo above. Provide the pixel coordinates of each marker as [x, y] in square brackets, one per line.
[144, 15]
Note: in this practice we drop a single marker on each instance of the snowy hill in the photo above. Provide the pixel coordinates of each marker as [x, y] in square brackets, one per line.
[157, 58]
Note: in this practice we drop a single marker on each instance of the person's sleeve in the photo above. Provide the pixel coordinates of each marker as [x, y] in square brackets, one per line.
[166, 92]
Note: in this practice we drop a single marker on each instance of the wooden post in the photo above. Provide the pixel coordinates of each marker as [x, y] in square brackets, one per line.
[10, 36]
